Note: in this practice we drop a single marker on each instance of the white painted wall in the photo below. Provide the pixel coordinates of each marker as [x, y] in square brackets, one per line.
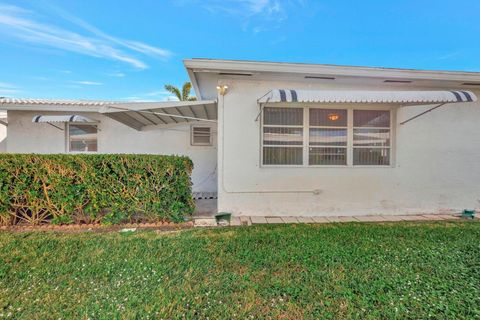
[114, 137]
[3, 132]
[3, 138]
[436, 166]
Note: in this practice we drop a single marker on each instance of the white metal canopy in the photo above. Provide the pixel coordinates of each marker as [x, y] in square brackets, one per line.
[139, 115]
[364, 96]
[61, 118]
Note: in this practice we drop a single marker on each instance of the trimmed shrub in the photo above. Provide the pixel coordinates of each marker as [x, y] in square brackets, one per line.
[99, 188]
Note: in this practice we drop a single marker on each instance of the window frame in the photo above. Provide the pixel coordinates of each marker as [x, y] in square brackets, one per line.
[192, 129]
[350, 130]
[67, 136]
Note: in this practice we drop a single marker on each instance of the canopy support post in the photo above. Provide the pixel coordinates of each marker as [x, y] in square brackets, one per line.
[421, 114]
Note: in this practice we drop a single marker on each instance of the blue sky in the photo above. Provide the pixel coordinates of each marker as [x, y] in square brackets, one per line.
[128, 50]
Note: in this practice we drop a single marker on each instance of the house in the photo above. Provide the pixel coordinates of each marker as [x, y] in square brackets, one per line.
[285, 139]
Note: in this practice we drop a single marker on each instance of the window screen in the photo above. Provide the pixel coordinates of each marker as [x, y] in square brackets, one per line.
[328, 134]
[371, 137]
[283, 136]
[323, 136]
[82, 138]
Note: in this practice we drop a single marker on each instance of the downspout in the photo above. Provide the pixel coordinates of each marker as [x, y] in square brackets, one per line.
[316, 192]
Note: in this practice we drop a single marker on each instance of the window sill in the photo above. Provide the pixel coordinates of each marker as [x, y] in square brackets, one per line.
[263, 166]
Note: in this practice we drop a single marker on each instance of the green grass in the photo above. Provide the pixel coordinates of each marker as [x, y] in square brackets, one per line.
[359, 271]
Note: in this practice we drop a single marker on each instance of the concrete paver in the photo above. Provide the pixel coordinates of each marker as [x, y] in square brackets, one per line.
[320, 219]
[235, 221]
[305, 220]
[207, 221]
[341, 219]
[392, 218]
[274, 220]
[258, 220]
[290, 219]
[246, 220]
[433, 217]
[371, 219]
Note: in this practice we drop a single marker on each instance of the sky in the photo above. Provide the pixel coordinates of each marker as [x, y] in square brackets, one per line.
[128, 50]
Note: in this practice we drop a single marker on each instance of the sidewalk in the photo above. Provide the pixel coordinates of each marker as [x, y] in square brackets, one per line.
[250, 220]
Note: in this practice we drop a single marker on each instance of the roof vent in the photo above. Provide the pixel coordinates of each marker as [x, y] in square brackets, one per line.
[235, 74]
[398, 81]
[319, 77]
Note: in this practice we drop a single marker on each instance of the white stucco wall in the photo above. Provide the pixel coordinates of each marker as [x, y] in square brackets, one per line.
[435, 166]
[114, 137]
[3, 138]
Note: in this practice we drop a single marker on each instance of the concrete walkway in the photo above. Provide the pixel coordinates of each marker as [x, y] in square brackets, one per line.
[250, 220]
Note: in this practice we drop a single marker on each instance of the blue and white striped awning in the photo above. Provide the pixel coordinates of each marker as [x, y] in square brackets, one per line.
[363, 96]
[61, 118]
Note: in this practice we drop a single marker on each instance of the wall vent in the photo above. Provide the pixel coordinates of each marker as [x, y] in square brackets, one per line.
[319, 77]
[398, 81]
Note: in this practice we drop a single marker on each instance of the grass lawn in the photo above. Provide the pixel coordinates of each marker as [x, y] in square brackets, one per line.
[362, 271]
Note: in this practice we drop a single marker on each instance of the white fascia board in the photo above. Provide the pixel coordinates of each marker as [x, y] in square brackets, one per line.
[206, 65]
[194, 81]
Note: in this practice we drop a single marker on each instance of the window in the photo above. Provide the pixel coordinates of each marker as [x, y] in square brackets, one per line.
[201, 136]
[371, 137]
[283, 136]
[321, 136]
[327, 137]
[82, 138]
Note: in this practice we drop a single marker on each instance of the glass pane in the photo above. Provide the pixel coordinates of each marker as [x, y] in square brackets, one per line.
[283, 116]
[283, 155]
[371, 156]
[371, 137]
[327, 156]
[371, 118]
[83, 137]
[328, 117]
[282, 136]
[328, 137]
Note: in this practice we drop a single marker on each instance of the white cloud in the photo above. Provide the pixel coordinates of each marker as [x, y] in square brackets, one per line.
[8, 89]
[116, 74]
[5, 85]
[255, 15]
[89, 83]
[158, 93]
[24, 26]
[8, 92]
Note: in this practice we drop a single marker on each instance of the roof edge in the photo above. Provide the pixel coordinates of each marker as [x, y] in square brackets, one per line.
[211, 65]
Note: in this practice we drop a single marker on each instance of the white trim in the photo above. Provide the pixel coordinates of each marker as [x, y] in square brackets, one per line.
[217, 66]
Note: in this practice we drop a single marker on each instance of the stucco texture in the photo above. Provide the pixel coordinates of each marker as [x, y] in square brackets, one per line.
[434, 163]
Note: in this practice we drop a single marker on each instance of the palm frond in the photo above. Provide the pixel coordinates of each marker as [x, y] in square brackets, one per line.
[174, 90]
[187, 86]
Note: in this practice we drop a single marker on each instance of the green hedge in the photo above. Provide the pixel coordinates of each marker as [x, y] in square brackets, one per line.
[100, 188]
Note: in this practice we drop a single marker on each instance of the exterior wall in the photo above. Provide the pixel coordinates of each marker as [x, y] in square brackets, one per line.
[435, 163]
[3, 138]
[114, 137]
